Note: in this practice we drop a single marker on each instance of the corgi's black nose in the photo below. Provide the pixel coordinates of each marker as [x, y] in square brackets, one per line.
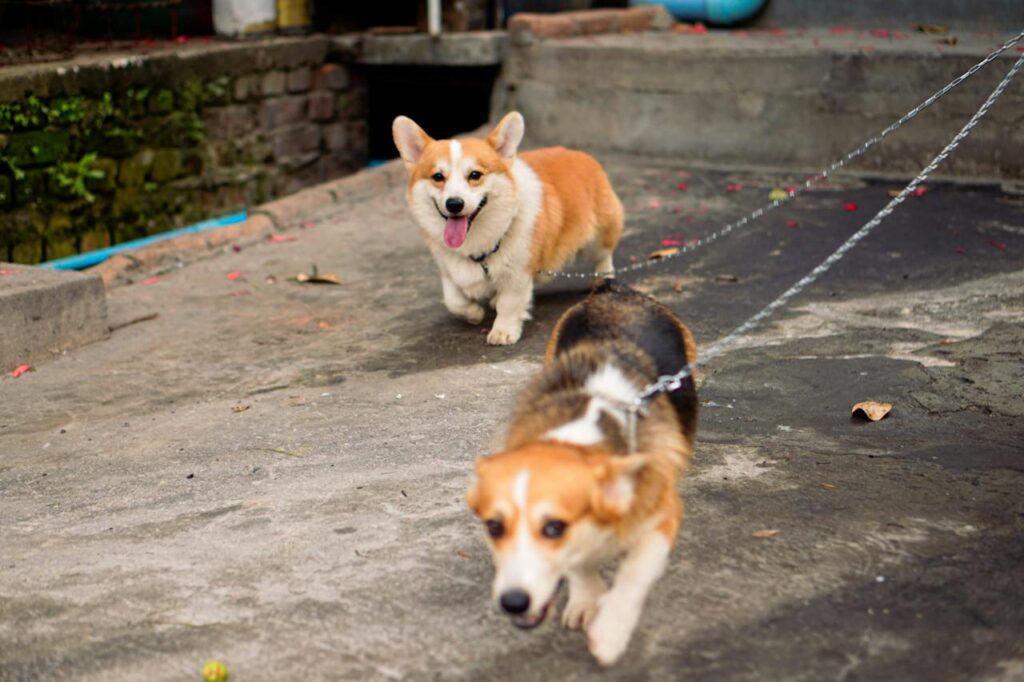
[515, 602]
[454, 205]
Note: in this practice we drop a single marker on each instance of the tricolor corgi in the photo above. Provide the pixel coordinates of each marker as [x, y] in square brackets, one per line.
[567, 494]
[496, 220]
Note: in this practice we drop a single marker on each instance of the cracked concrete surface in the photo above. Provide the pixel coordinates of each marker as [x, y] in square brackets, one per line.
[148, 526]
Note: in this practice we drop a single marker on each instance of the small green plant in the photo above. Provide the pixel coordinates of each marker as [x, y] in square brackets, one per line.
[70, 176]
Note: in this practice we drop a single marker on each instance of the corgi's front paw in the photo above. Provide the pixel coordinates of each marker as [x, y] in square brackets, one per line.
[609, 633]
[579, 613]
[504, 336]
[473, 313]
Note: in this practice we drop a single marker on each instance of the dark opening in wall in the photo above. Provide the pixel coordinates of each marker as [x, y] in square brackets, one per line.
[444, 100]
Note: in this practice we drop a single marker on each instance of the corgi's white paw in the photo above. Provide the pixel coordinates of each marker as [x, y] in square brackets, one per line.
[473, 313]
[579, 613]
[609, 633]
[503, 336]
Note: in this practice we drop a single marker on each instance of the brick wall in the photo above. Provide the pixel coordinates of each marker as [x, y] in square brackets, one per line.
[102, 153]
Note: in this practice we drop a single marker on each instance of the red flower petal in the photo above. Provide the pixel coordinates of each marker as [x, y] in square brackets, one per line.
[682, 186]
[21, 369]
[9, 272]
[850, 206]
[699, 28]
[234, 275]
[151, 280]
[999, 245]
[278, 238]
[733, 187]
[920, 191]
[654, 203]
[671, 242]
[792, 224]
[841, 29]
[880, 33]
[792, 189]
[181, 40]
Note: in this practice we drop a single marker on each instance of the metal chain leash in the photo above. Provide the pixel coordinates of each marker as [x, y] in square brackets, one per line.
[672, 382]
[807, 184]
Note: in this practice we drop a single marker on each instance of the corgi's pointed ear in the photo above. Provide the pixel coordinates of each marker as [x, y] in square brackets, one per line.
[473, 494]
[507, 135]
[410, 140]
[616, 478]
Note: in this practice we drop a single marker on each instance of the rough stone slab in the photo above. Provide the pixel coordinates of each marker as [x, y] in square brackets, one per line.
[990, 15]
[472, 48]
[175, 63]
[799, 99]
[45, 312]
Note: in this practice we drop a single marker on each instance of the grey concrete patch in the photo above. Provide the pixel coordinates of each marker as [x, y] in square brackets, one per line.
[470, 48]
[149, 526]
[46, 312]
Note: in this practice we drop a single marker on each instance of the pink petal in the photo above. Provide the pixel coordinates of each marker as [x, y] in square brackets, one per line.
[9, 272]
[21, 369]
[733, 187]
[841, 29]
[998, 245]
[234, 275]
[880, 33]
[792, 189]
[278, 238]
[151, 280]
[699, 28]
[654, 203]
[850, 206]
[792, 224]
[671, 242]
[683, 186]
[920, 191]
[308, 224]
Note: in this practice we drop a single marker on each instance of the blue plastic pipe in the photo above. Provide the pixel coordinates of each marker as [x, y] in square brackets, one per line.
[712, 11]
[86, 260]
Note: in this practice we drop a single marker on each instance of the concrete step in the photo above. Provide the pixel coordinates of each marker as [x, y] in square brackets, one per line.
[992, 15]
[45, 312]
[781, 98]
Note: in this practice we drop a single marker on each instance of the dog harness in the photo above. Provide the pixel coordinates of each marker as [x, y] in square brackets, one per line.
[481, 258]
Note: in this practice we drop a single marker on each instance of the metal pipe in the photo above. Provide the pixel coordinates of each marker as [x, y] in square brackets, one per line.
[434, 18]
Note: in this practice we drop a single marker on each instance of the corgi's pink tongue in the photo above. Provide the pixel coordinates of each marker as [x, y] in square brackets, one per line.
[455, 231]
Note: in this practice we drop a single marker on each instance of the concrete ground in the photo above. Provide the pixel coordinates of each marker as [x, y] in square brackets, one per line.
[271, 473]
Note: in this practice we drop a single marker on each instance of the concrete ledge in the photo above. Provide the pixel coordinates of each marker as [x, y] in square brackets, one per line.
[264, 220]
[45, 312]
[472, 48]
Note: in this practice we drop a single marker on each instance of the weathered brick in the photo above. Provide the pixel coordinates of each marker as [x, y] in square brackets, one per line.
[299, 80]
[295, 141]
[166, 165]
[321, 106]
[272, 83]
[132, 173]
[542, 25]
[246, 87]
[347, 136]
[6, 191]
[230, 121]
[597, 21]
[38, 147]
[281, 111]
[30, 187]
[331, 77]
[351, 104]
[109, 180]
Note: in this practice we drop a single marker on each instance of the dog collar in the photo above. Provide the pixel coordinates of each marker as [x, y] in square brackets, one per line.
[481, 258]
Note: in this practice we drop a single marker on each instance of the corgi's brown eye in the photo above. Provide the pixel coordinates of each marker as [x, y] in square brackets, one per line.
[475, 175]
[553, 529]
[437, 177]
[495, 528]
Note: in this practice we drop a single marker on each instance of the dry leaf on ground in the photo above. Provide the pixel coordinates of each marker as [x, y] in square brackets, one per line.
[726, 278]
[871, 409]
[766, 533]
[315, 277]
[241, 407]
[931, 28]
[662, 253]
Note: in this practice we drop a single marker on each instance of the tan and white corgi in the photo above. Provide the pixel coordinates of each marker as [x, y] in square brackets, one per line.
[496, 220]
[566, 495]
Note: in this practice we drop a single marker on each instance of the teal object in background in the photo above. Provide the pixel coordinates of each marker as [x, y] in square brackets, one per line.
[712, 11]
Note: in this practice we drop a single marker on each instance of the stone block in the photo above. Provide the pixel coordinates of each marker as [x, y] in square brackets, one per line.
[321, 106]
[351, 104]
[299, 80]
[296, 141]
[282, 111]
[109, 180]
[30, 187]
[38, 147]
[44, 312]
[166, 165]
[347, 136]
[331, 77]
[246, 87]
[230, 121]
[273, 83]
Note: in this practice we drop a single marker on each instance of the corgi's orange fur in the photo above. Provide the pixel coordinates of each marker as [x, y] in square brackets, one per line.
[496, 220]
[566, 494]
